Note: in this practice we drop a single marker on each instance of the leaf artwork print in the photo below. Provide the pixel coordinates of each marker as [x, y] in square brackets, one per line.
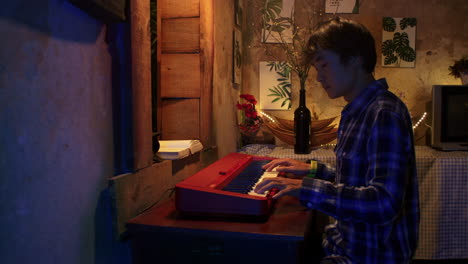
[275, 85]
[398, 42]
[277, 21]
[389, 24]
[237, 57]
[282, 91]
[407, 22]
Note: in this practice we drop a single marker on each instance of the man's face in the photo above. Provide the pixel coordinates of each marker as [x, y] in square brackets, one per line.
[337, 79]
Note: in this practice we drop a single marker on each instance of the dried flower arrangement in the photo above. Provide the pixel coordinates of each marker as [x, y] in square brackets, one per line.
[459, 67]
[288, 48]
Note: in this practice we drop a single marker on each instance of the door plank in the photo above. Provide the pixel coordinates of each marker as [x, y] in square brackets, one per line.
[181, 119]
[179, 8]
[180, 75]
[180, 35]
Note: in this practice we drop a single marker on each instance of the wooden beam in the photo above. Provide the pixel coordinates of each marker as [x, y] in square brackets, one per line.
[206, 65]
[141, 83]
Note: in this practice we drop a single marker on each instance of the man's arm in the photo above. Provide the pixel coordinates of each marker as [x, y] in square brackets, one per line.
[389, 152]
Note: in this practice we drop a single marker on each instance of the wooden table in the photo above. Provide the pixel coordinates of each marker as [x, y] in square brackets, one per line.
[161, 235]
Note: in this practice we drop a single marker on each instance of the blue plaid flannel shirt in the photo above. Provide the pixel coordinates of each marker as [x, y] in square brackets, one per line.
[374, 194]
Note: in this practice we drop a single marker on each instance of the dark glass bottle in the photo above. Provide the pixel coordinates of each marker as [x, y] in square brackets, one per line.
[302, 126]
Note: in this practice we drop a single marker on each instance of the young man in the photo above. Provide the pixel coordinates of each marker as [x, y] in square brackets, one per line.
[373, 194]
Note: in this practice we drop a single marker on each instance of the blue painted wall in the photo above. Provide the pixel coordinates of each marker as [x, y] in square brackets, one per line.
[56, 139]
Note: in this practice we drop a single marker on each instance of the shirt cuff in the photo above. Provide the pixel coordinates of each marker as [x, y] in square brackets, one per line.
[308, 196]
[313, 169]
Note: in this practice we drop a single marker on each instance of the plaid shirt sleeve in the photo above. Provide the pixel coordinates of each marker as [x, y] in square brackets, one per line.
[324, 171]
[380, 199]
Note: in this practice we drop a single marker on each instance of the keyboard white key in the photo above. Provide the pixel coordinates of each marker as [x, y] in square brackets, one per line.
[265, 175]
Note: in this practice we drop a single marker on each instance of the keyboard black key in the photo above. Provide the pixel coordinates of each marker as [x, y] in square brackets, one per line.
[244, 182]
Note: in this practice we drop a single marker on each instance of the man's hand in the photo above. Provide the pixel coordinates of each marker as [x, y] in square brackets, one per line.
[285, 186]
[288, 165]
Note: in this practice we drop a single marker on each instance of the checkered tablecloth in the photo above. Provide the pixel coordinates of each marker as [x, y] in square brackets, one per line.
[443, 184]
[443, 191]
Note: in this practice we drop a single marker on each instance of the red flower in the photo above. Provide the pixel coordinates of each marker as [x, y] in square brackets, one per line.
[250, 98]
[250, 120]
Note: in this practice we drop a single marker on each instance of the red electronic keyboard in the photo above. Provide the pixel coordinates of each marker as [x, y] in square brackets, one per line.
[225, 189]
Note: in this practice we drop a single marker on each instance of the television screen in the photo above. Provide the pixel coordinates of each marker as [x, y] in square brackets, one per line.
[455, 113]
[449, 117]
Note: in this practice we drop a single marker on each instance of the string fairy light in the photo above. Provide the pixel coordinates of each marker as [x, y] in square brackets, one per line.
[420, 120]
[267, 116]
[328, 145]
[332, 145]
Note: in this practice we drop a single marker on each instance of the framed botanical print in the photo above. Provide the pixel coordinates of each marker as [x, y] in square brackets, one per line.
[275, 85]
[277, 21]
[399, 42]
[237, 56]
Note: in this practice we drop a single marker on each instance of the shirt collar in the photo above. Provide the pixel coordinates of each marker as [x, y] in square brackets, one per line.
[365, 97]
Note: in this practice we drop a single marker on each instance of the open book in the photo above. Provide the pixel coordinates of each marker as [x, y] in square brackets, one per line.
[178, 149]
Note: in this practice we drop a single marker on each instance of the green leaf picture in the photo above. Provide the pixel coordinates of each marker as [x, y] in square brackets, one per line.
[407, 53]
[401, 39]
[275, 85]
[237, 57]
[407, 22]
[391, 59]
[398, 43]
[274, 24]
[272, 9]
[389, 24]
[279, 24]
[282, 91]
[388, 47]
[356, 7]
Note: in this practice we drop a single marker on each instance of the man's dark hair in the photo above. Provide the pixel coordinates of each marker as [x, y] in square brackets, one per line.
[346, 38]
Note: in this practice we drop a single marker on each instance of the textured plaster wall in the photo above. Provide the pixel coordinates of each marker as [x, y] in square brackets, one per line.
[56, 131]
[225, 93]
[441, 37]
